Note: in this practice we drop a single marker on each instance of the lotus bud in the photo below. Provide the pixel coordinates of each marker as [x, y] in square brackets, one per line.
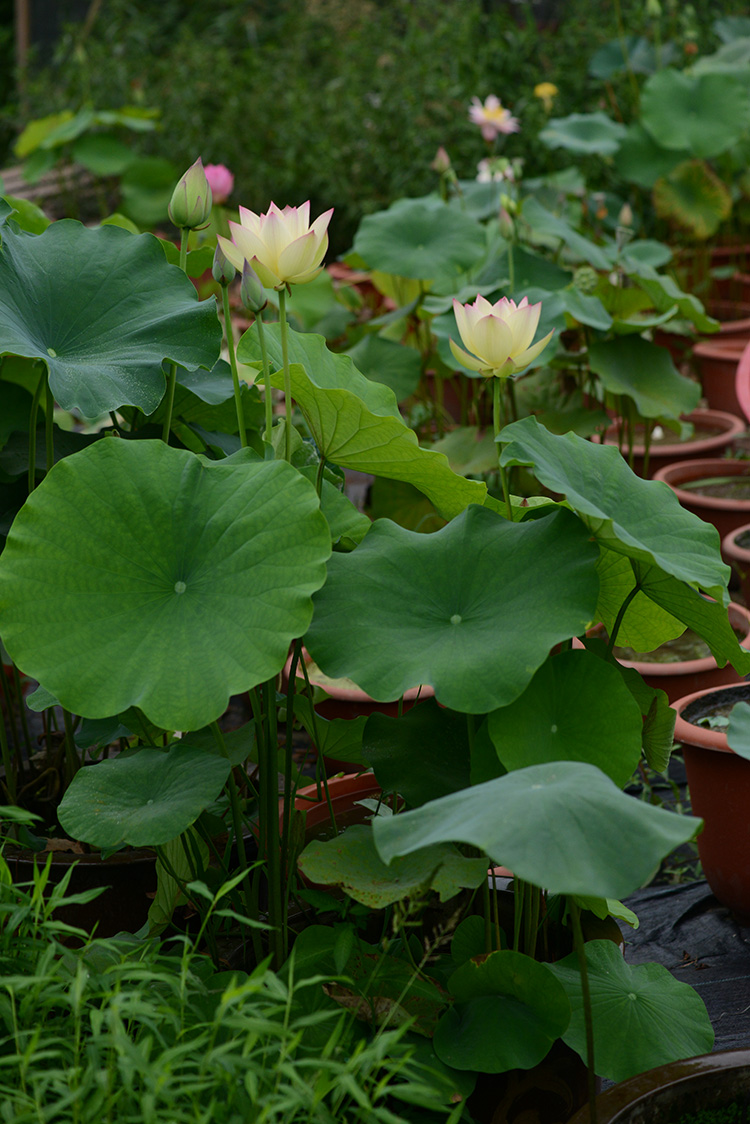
[625, 217]
[251, 291]
[190, 206]
[222, 269]
[505, 225]
[442, 162]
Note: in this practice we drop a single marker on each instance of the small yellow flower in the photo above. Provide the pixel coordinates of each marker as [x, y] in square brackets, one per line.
[546, 92]
[497, 335]
[281, 246]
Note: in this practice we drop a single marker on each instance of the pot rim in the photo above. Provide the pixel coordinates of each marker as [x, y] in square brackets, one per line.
[742, 382]
[734, 426]
[732, 548]
[630, 1093]
[692, 667]
[688, 733]
[704, 466]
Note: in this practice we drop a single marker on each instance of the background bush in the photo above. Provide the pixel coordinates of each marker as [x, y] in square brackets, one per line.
[345, 102]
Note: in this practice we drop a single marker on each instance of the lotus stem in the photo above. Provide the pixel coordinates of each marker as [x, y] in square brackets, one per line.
[266, 377]
[287, 376]
[496, 388]
[172, 376]
[578, 943]
[233, 364]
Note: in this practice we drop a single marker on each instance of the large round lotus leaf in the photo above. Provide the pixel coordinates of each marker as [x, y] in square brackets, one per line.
[104, 311]
[138, 575]
[563, 826]
[693, 197]
[705, 115]
[472, 609]
[420, 238]
[576, 708]
[638, 518]
[144, 799]
[583, 133]
[508, 1011]
[642, 1015]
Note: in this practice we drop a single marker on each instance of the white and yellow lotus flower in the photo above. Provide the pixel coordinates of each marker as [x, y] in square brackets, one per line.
[498, 336]
[281, 246]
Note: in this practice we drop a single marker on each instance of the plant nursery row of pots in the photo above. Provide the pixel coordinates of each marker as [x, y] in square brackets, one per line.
[363, 763]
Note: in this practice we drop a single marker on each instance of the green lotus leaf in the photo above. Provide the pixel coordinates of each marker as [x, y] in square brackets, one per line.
[69, 297]
[583, 133]
[383, 360]
[563, 826]
[666, 295]
[641, 160]
[328, 370]
[507, 1014]
[420, 238]
[692, 196]
[351, 862]
[356, 423]
[140, 575]
[644, 372]
[706, 115]
[738, 734]
[642, 1015]
[422, 755]
[645, 625]
[638, 518]
[576, 708]
[632, 52]
[545, 222]
[471, 451]
[144, 799]
[475, 632]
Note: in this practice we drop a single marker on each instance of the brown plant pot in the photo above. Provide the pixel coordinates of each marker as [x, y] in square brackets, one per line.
[685, 676]
[704, 1084]
[730, 426]
[719, 784]
[739, 557]
[716, 361]
[725, 514]
[128, 878]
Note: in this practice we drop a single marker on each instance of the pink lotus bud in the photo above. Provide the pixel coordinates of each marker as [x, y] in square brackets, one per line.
[221, 182]
[442, 162]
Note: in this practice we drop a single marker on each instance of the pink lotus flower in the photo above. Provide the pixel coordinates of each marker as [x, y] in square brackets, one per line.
[220, 180]
[282, 246]
[492, 117]
[498, 335]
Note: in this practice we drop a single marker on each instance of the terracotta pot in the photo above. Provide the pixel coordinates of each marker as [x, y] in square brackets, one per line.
[680, 678]
[719, 784]
[742, 383]
[128, 878]
[345, 792]
[704, 1084]
[729, 426]
[739, 557]
[725, 514]
[347, 700]
[716, 362]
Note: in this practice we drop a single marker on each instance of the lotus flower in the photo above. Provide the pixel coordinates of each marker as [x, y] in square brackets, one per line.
[281, 246]
[492, 117]
[221, 181]
[497, 335]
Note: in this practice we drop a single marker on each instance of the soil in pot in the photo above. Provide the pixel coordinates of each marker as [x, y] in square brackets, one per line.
[736, 548]
[689, 646]
[715, 489]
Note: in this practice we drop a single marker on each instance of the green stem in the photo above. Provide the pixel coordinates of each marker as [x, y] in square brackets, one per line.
[71, 754]
[578, 943]
[266, 376]
[496, 387]
[32, 428]
[22, 710]
[288, 794]
[10, 774]
[172, 376]
[511, 268]
[49, 422]
[287, 377]
[619, 617]
[233, 364]
[648, 430]
[319, 477]
[270, 783]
